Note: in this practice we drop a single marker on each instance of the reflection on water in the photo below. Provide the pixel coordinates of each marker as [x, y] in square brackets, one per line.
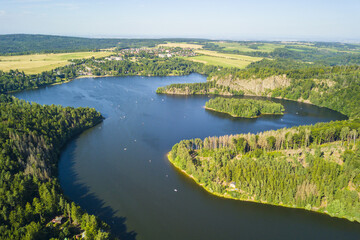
[119, 171]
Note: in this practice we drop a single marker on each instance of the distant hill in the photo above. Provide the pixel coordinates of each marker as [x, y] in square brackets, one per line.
[25, 43]
[14, 44]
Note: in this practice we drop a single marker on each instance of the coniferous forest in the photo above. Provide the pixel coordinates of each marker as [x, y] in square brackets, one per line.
[31, 136]
[245, 108]
[312, 167]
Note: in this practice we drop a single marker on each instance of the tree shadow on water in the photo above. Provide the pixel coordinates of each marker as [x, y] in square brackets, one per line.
[81, 195]
[93, 205]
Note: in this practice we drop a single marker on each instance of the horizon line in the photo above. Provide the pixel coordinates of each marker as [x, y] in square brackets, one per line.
[160, 37]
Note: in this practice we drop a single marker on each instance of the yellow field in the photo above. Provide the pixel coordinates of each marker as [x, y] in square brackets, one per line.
[182, 45]
[37, 63]
[223, 59]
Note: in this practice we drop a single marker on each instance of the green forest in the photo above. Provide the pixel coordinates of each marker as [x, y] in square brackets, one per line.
[245, 108]
[31, 136]
[209, 87]
[18, 44]
[312, 167]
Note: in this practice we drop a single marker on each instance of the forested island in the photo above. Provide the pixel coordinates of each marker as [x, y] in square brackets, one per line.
[311, 167]
[245, 108]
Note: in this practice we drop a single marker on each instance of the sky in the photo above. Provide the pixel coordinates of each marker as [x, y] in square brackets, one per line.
[323, 20]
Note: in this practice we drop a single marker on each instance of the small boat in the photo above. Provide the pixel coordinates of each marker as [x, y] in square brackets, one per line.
[175, 190]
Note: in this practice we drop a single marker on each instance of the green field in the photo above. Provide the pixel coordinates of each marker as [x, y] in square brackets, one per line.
[248, 47]
[269, 47]
[223, 59]
[37, 63]
[311, 47]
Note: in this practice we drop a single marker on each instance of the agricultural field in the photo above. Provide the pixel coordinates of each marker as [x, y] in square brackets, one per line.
[182, 45]
[310, 47]
[37, 63]
[248, 47]
[294, 46]
[229, 56]
[223, 59]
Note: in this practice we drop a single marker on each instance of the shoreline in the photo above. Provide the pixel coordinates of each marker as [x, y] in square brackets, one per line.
[235, 116]
[83, 76]
[248, 200]
[58, 83]
[244, 95]
[252, 95]
[182, 94]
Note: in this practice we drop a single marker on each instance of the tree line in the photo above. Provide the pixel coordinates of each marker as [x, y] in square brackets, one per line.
[31, 136]
[290, 167]
[19, 44]
[246, 108]
[209, 87]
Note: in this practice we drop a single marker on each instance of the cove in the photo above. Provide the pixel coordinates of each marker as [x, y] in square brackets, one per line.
[118, 170]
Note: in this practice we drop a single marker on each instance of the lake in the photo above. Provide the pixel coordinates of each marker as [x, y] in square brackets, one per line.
[118, 170]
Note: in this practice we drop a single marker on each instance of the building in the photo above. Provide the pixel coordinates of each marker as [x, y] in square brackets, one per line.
[57, 220]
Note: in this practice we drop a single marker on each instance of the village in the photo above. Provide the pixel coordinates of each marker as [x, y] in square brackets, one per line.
[95, 67]
[162, 52]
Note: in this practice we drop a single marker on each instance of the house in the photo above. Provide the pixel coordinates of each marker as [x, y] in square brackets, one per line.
[113, 58]
[57, 220]
[232, 185]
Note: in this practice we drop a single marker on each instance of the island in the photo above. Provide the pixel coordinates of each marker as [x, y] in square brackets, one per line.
[245, 108]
